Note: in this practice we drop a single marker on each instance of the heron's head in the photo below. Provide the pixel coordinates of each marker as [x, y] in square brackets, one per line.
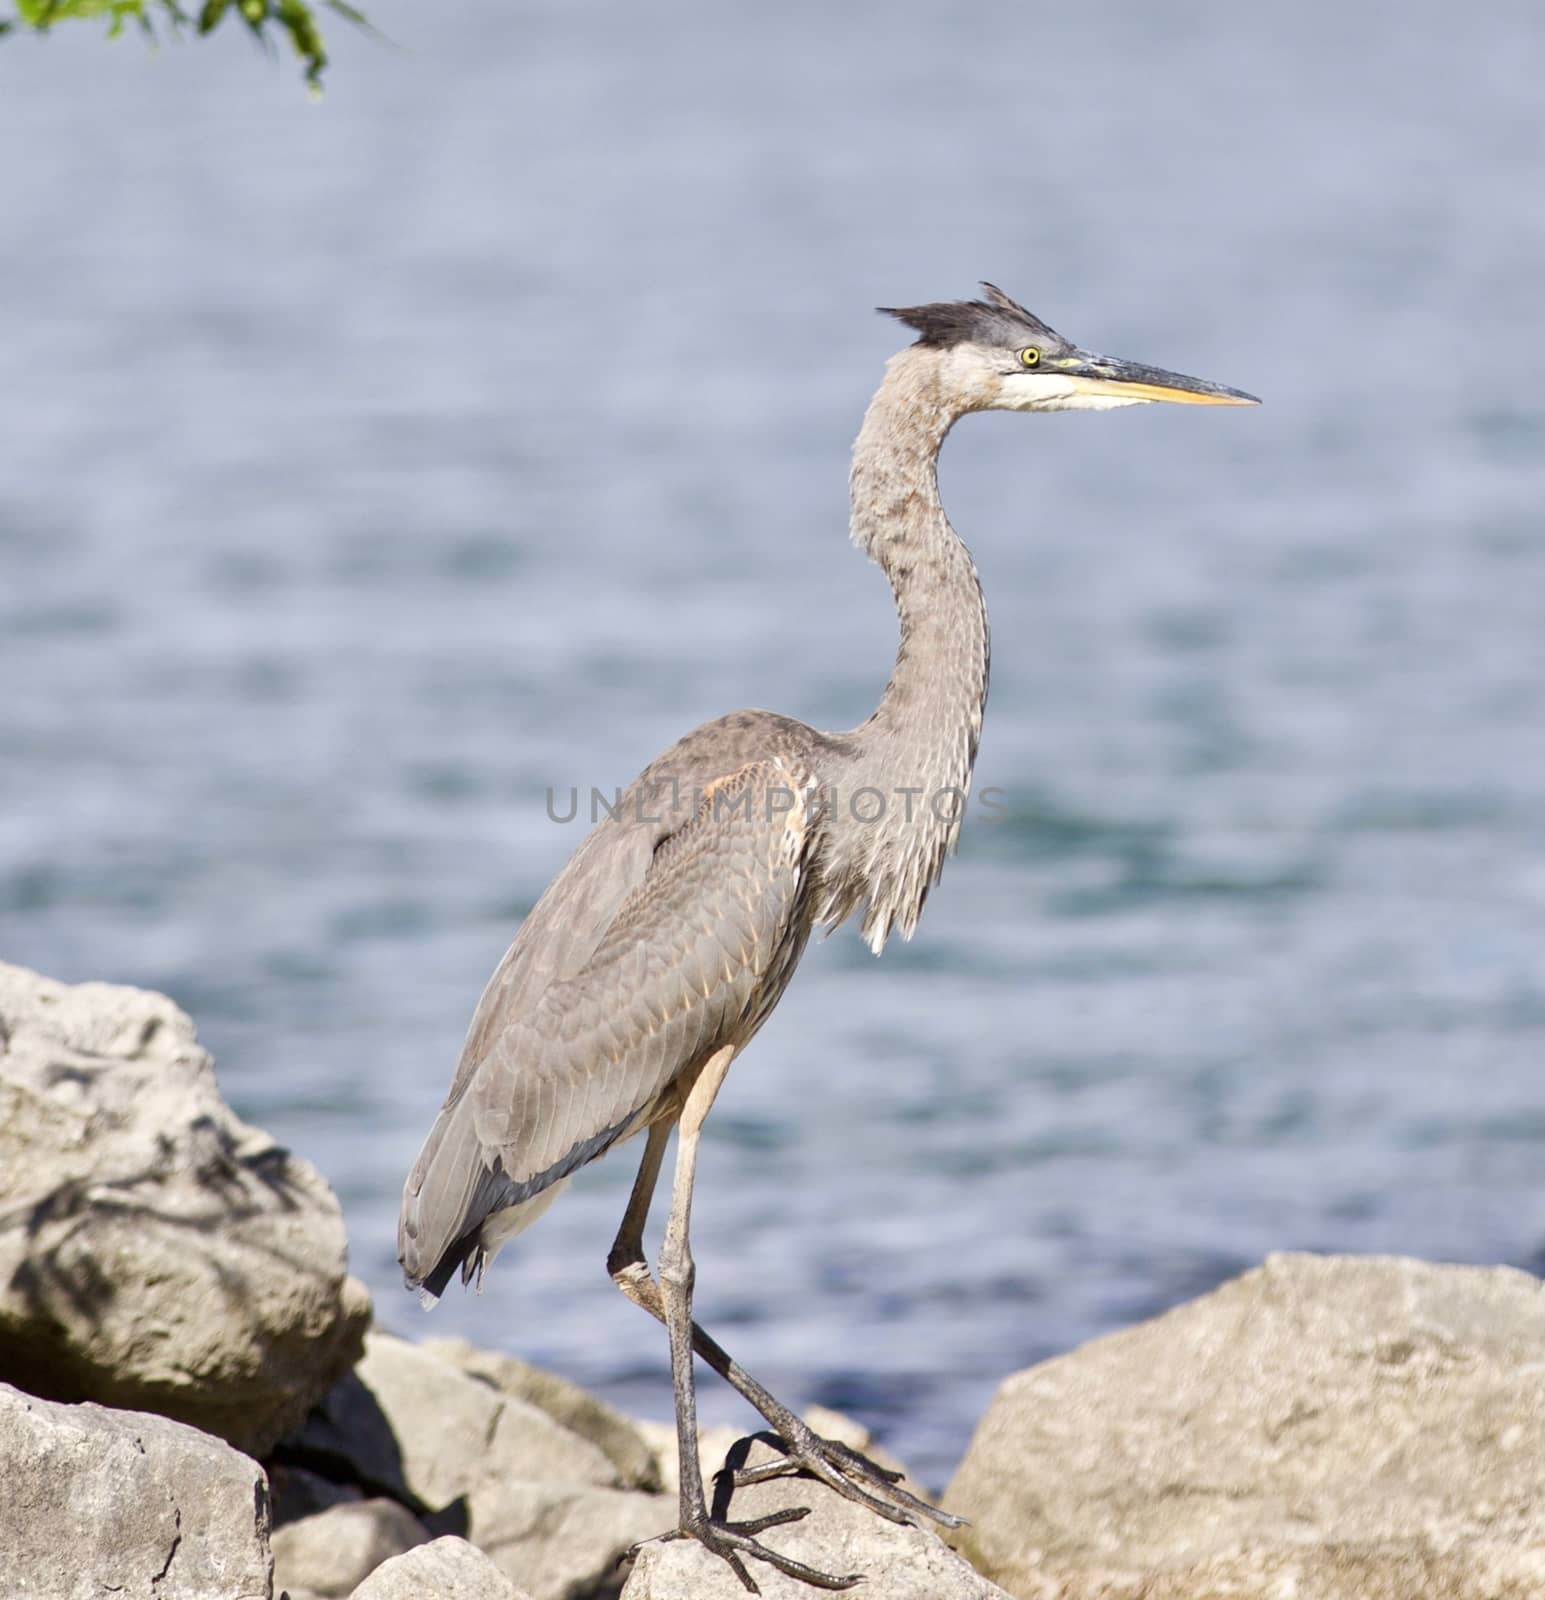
[995, 356]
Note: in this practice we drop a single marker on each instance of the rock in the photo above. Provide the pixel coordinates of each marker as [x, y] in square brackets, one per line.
[838, 1537]
[410, 1424]
[448, 1569]
[566, 1542]
[329, 1553]
[617, 1437]
[157, 1253]
[544, 1502]
[97, 1502]
[1323, 1428]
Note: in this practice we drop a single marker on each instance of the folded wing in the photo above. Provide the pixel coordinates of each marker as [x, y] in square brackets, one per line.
[658, 944]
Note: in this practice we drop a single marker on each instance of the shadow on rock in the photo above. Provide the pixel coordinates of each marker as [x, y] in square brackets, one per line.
[115, 1148]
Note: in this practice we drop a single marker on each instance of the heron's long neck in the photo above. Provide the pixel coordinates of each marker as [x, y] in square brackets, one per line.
[918, 747]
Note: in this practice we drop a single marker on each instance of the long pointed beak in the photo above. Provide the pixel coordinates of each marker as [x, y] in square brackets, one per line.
[1129, 380]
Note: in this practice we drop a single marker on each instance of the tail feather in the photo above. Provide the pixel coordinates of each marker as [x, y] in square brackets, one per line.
[465, 1254]
[457, 1209]
[450, 1193]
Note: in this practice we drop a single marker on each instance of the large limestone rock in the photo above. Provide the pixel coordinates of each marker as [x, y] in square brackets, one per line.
[547, 1504]
[156, 1252]
[96, 1502]
[448, 1569]
[838, 1537]
[1321, 1428]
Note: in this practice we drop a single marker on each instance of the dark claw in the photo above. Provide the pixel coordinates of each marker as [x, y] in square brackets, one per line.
[738, 1567]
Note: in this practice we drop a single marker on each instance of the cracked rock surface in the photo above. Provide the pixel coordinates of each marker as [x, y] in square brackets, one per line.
[96, 1502]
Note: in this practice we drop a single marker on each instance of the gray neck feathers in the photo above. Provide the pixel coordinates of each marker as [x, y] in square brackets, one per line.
[901, 791]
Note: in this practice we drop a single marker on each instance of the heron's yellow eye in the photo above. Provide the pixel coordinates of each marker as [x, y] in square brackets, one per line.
[1030, 357]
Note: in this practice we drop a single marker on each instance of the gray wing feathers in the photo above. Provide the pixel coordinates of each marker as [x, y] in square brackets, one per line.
[587, 1022]
[671, 975]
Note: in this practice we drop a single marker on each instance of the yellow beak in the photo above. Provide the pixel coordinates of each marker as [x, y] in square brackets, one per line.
[1128, 380]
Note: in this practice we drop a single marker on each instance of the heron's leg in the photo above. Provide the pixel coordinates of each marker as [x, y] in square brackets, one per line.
[626, 1261]
[731, 1540]
[835, 1464]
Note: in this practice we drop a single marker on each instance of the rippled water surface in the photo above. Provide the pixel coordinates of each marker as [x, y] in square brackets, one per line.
[370, 468]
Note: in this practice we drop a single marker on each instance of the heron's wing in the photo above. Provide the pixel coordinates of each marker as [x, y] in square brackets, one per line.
[692, 957]
[561, 933]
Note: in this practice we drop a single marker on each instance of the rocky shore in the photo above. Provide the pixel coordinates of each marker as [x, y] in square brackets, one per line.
[193, 1405]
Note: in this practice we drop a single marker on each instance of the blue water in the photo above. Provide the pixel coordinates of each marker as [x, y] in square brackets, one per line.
[370, 468]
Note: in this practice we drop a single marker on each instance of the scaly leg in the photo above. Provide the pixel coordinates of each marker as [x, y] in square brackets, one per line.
[831, 1462]
[731, 1540]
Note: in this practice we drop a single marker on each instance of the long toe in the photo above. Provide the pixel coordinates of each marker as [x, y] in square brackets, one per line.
[734, 1540]
[850, 1473]
[773, 1519]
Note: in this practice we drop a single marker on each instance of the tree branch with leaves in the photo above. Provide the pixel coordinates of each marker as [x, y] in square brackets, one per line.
[267, 20]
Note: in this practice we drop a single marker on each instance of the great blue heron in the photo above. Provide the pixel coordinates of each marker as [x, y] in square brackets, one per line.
[671, 934]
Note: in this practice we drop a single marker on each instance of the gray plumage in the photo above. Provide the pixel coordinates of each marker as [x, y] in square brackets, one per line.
[995, 320]
[670, 927]
[663, 945]
[671, 931]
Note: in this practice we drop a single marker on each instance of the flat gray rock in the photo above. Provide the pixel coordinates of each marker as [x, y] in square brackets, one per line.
[331, 1552]
[1323, 1428]
[157, 1253]
[615, 1435]
[411, 1424]
[448, 1569]
[96, 1502]
[838, 1537]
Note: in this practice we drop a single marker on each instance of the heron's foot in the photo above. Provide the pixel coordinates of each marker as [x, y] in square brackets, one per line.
[734, 1541]
[848, 1471]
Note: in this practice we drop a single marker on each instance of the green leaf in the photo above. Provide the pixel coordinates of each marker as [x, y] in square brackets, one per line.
[296, 19]
[306, 38]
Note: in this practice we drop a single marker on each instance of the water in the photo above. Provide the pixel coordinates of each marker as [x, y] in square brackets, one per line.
[369, 468]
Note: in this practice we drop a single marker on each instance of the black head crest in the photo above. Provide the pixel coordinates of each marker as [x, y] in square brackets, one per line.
[995, 320]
